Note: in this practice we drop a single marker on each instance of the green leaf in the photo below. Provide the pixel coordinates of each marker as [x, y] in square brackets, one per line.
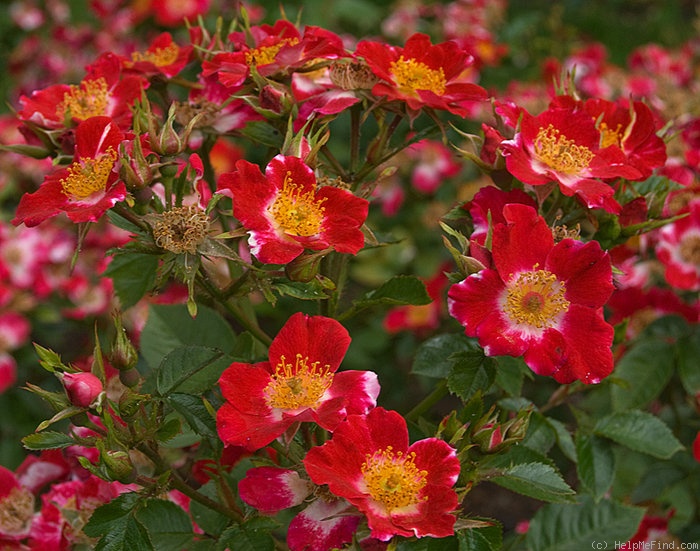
[313, 290]
[434, 357]
[133, 274]
[471, 372]
[688, 350]
[212, 522]
[190, 370]
[47, 440]
[646, 369]
[537, 480]
[639, 431]
[564, 439]
[510, 374]
[119, 221]
[595, 465]
[117, 527]
[170, 326]
[194, 411]
[573, 527]
[168, 525]
[540, 434]
[488, 538]
[399, 290]
[254, 535]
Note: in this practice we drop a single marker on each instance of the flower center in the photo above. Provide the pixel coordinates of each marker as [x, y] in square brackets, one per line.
[181, 229]
[536, 299]
[264, 55]
[393, 478]
[411, 75]
[608, 136]
[16, 511]
[689, 249]
[297, 385]
[88, 175]
[297, 213]
[560, 153]
[161, 57]
[89, 99]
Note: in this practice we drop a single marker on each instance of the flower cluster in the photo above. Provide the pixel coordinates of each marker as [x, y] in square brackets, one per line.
[326, 286]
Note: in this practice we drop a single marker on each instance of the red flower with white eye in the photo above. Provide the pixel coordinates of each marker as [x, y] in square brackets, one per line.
[563, 145]
[103, 92]
[402, 489]
[88, 187]
[423, 74]
[285, 212]
[678, 248]
[297, 384]
[542, 300]
[163, 56]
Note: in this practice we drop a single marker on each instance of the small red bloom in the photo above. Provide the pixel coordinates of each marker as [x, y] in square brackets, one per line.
[171, 13]
[403, 490]
[541, 300]
[678, 248]
[563, 145]
[163, 56]
[103, 92]
[423, 74]
[298, 383]
[87, 188]
[286, 213]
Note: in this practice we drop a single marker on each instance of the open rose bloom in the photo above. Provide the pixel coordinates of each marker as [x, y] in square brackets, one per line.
[402, 489]
[285, 212]
[298, 383]
[542, 300]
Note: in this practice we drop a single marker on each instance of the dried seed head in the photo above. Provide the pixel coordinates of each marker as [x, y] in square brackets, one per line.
[181, 229]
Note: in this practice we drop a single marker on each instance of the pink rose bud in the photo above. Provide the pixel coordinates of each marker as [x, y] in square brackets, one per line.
[83, 388]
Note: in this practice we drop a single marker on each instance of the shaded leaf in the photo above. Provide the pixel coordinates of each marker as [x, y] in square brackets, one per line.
[639, 431]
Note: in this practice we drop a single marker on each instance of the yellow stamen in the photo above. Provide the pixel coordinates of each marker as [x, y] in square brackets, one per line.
[393, 479]
[560, 153]
[265, 55]
[411, 75]
[297, 213]
[89, 99]
[536, 299]
[88, 175]
[608, 136]
[299, 385]
[161, 57]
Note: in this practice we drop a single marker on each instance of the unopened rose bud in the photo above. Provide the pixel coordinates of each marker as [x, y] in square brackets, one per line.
[83, 389]
[304, 267]
[123, 355]
[118, 466]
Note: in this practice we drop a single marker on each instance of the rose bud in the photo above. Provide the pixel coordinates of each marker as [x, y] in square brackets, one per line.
[83, 388]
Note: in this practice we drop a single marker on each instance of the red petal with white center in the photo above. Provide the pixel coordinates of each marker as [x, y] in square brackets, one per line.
[521, 244]
[473, 299]
[252, 432]
[323, 525]
[585, 269]
[352, 392]
[318, 338]
[271, 489]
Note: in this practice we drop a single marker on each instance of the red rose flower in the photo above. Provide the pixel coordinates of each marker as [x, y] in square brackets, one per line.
[163, 56]
[87, 188]
[298, 383]
[678, 249]
[423, 74]
[286, 213]
[403, 490]
[103, 92]
[541, 300]
[563, 145]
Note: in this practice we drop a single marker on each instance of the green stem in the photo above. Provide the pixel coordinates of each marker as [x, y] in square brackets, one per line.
[236, 311]
[180, 485]
[438, 393]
